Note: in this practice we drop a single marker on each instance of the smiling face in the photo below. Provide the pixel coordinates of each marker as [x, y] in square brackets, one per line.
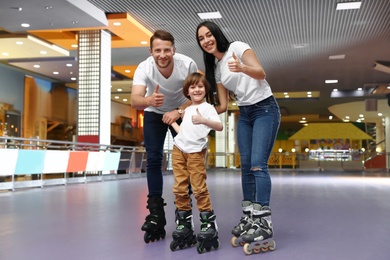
[197, 93]
[207, 40]
[162, 52]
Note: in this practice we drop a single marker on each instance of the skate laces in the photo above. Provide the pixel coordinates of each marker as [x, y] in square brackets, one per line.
[204, 226]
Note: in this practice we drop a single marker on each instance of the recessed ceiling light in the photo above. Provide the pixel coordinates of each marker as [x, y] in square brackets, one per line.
[43, 52]
[37, 66]
[299, 45]
[330, 117]
[125, 100]
[69, 65]
[331, 81]
[348, 5]
[335, 90]
[25, 25]
[359, 89]
[56, 72]
[144, 42]
[127, 71]
[73, 78]
[337, 57]
[19, 43]
[380, 114]
[74, 46]
[5, 53]
[116, 97]
[119, 90]
[210, 15]
[117, 23]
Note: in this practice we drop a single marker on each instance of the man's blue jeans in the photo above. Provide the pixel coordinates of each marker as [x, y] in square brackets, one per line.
[257, 128]
[154, 136]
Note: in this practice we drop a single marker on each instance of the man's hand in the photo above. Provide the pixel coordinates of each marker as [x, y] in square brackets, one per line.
[170, 117]
[156, 99]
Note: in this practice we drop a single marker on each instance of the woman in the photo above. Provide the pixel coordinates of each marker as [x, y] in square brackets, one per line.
[234, 67]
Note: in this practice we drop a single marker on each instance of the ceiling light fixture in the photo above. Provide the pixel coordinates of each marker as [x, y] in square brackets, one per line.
[299, 45]
[25, 25]
[331, 81]
[210, 15]
[337, 57]
[348, 5]
[144, 42]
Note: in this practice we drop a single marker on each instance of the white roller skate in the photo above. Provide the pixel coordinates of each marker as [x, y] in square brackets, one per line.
[259, 237]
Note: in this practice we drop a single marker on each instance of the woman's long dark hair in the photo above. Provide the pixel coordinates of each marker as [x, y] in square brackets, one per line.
[209, 59]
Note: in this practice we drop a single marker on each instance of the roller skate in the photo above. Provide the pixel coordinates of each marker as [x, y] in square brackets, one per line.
[244, 225]
[184, 234]
[260, 236]
[208, 236]
[155, 221]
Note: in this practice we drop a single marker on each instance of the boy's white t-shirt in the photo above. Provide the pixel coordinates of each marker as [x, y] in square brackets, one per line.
[193, 138]
[147, 74]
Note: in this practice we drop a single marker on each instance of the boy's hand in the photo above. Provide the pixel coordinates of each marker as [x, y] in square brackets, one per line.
[198, 118]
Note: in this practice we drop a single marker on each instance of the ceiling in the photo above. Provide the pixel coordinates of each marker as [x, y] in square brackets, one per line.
[297, 41]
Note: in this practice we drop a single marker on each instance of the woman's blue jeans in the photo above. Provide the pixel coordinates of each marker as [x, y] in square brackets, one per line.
[154, 136]
[257, 128]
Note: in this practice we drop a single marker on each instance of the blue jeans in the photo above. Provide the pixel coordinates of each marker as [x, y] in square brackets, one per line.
[257, 128]
[154, 136]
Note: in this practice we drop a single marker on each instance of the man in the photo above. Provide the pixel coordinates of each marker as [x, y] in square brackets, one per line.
[157, 89]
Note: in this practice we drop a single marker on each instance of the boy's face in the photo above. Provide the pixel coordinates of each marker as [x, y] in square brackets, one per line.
[162, 52]
[197, 92]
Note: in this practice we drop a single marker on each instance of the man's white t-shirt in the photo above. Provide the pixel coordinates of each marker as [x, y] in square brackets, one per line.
[147, 74]
[193, 138]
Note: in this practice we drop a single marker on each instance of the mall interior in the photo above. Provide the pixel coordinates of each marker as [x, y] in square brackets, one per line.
[72, 160]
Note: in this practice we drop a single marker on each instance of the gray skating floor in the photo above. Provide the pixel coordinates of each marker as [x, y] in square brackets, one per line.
[327, 215]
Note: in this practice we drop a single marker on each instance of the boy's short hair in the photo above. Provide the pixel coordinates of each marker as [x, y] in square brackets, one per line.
[192, 79]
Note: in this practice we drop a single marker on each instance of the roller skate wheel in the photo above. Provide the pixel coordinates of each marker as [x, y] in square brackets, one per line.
[216, 245]
[246, 249]
[146, 238]
[200, 248]
[272, 245]
[173, 245]
[233, 241]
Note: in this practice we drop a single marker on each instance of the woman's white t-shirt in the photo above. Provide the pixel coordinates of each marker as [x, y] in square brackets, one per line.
[248, 90]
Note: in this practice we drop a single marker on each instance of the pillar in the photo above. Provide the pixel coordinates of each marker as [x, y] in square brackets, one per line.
[94, 87]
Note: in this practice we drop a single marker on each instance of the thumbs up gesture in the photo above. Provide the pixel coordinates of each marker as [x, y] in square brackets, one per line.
[157, 99]
[197, 118]
[234, 64]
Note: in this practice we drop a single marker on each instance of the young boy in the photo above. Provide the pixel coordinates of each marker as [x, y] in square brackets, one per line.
[188, 162]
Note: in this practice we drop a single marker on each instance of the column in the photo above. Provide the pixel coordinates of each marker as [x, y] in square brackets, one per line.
[94, 86]
[387, 141]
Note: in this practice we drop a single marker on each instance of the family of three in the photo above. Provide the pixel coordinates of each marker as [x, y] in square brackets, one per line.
[174, 96]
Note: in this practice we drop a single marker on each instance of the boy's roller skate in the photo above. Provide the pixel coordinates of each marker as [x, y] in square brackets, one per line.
[184, 234]
[260, 236]
[244, 225]
[155, 221]
[208, 236]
